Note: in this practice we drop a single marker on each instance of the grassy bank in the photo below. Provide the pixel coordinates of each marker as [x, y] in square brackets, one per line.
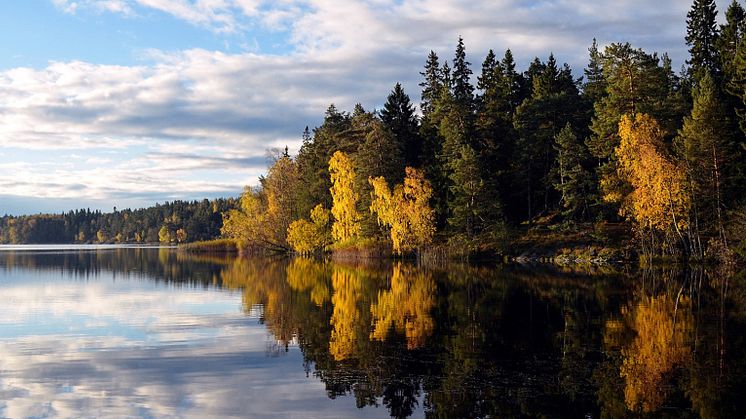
[212, 246]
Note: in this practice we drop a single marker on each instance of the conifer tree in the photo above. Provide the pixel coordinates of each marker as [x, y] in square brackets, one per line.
[595, 83]
[707, 148]
[574, 182]
[730, 38]
[511, 82]
[554, 102]
[313, 158]
[463, 91]
[399, 116]
[736, 89]
[432, 84]
[702, 37]
[467, 190]
[493, 126]
[635, 83]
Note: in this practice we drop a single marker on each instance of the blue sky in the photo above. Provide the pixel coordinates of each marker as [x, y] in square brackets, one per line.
[126, 103]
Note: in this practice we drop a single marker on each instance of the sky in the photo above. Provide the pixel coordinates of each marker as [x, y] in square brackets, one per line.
[125, 103]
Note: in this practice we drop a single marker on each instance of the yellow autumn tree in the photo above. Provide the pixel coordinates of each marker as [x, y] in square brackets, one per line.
[406, 306]
[406, 210]
[348, 320]
[344, 198]
[309, 275]
[308, 237]
[267, 211]
[663, 328]
[658, 200]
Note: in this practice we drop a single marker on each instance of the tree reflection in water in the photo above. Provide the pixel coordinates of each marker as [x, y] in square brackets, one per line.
[483, 341]
[467, 341]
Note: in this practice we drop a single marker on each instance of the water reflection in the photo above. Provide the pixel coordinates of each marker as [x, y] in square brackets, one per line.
[191, 335]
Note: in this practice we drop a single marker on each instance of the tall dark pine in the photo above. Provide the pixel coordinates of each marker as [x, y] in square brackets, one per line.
[463, 91]
[398, 115]
[511, 81]
[432, 84]
[594, 87]
[702, 37]
[730, 37]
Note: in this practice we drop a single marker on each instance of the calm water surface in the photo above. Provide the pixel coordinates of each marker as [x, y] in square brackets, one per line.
[149, 332]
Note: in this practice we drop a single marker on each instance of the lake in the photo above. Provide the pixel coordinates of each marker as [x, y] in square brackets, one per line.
[151, 332]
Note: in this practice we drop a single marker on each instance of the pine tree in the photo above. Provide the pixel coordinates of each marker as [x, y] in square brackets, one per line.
[635, 83]
[730, 38]
[494, 125]
[737, 86]
[432, 84]
[707, 148]
[399, 116]
[314, 156]
[702, 37]
[467, 189]
[463, 91]
[595, 83]
[511, 81]
[554, 102]
[575, 183]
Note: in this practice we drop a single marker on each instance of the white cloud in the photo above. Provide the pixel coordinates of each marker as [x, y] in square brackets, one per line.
[121, 346]
[241, 104]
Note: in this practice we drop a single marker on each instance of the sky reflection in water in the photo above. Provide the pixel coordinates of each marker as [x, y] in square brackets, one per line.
[149, 332]
[120, 344]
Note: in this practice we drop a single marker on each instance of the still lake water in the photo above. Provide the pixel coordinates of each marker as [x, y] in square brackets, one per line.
[149, 332]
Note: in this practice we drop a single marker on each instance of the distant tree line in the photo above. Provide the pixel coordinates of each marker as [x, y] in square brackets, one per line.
[631, 141]
[171, 222]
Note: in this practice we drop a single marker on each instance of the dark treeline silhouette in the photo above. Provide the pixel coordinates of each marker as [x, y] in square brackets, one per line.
[177, 221]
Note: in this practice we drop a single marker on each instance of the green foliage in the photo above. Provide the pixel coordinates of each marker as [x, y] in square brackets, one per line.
[702, 36]
[399, 116]
[707, 149]
[576, 184]
[200, 220]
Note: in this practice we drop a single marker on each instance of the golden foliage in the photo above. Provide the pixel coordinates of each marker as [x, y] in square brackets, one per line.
[344, 198]
[663, 330]
[347, 316]
[307, 237]
[266, 213]
[406, 306]
[406, 211]
[658, 200]
[309, 275]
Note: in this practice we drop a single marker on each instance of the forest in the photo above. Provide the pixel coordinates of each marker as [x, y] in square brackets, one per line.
[172, 222]
[492, 157]
[631, 142]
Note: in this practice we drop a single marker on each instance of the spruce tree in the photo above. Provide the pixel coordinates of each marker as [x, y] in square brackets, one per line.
[555, 101]
[432, 84]
[594, 87]
[707, 147]
[511, 82]
[737, 86]
[702, 37]
[399, 116]
[474, 218]
[463, 91]
[730, 38]
[573, 181]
